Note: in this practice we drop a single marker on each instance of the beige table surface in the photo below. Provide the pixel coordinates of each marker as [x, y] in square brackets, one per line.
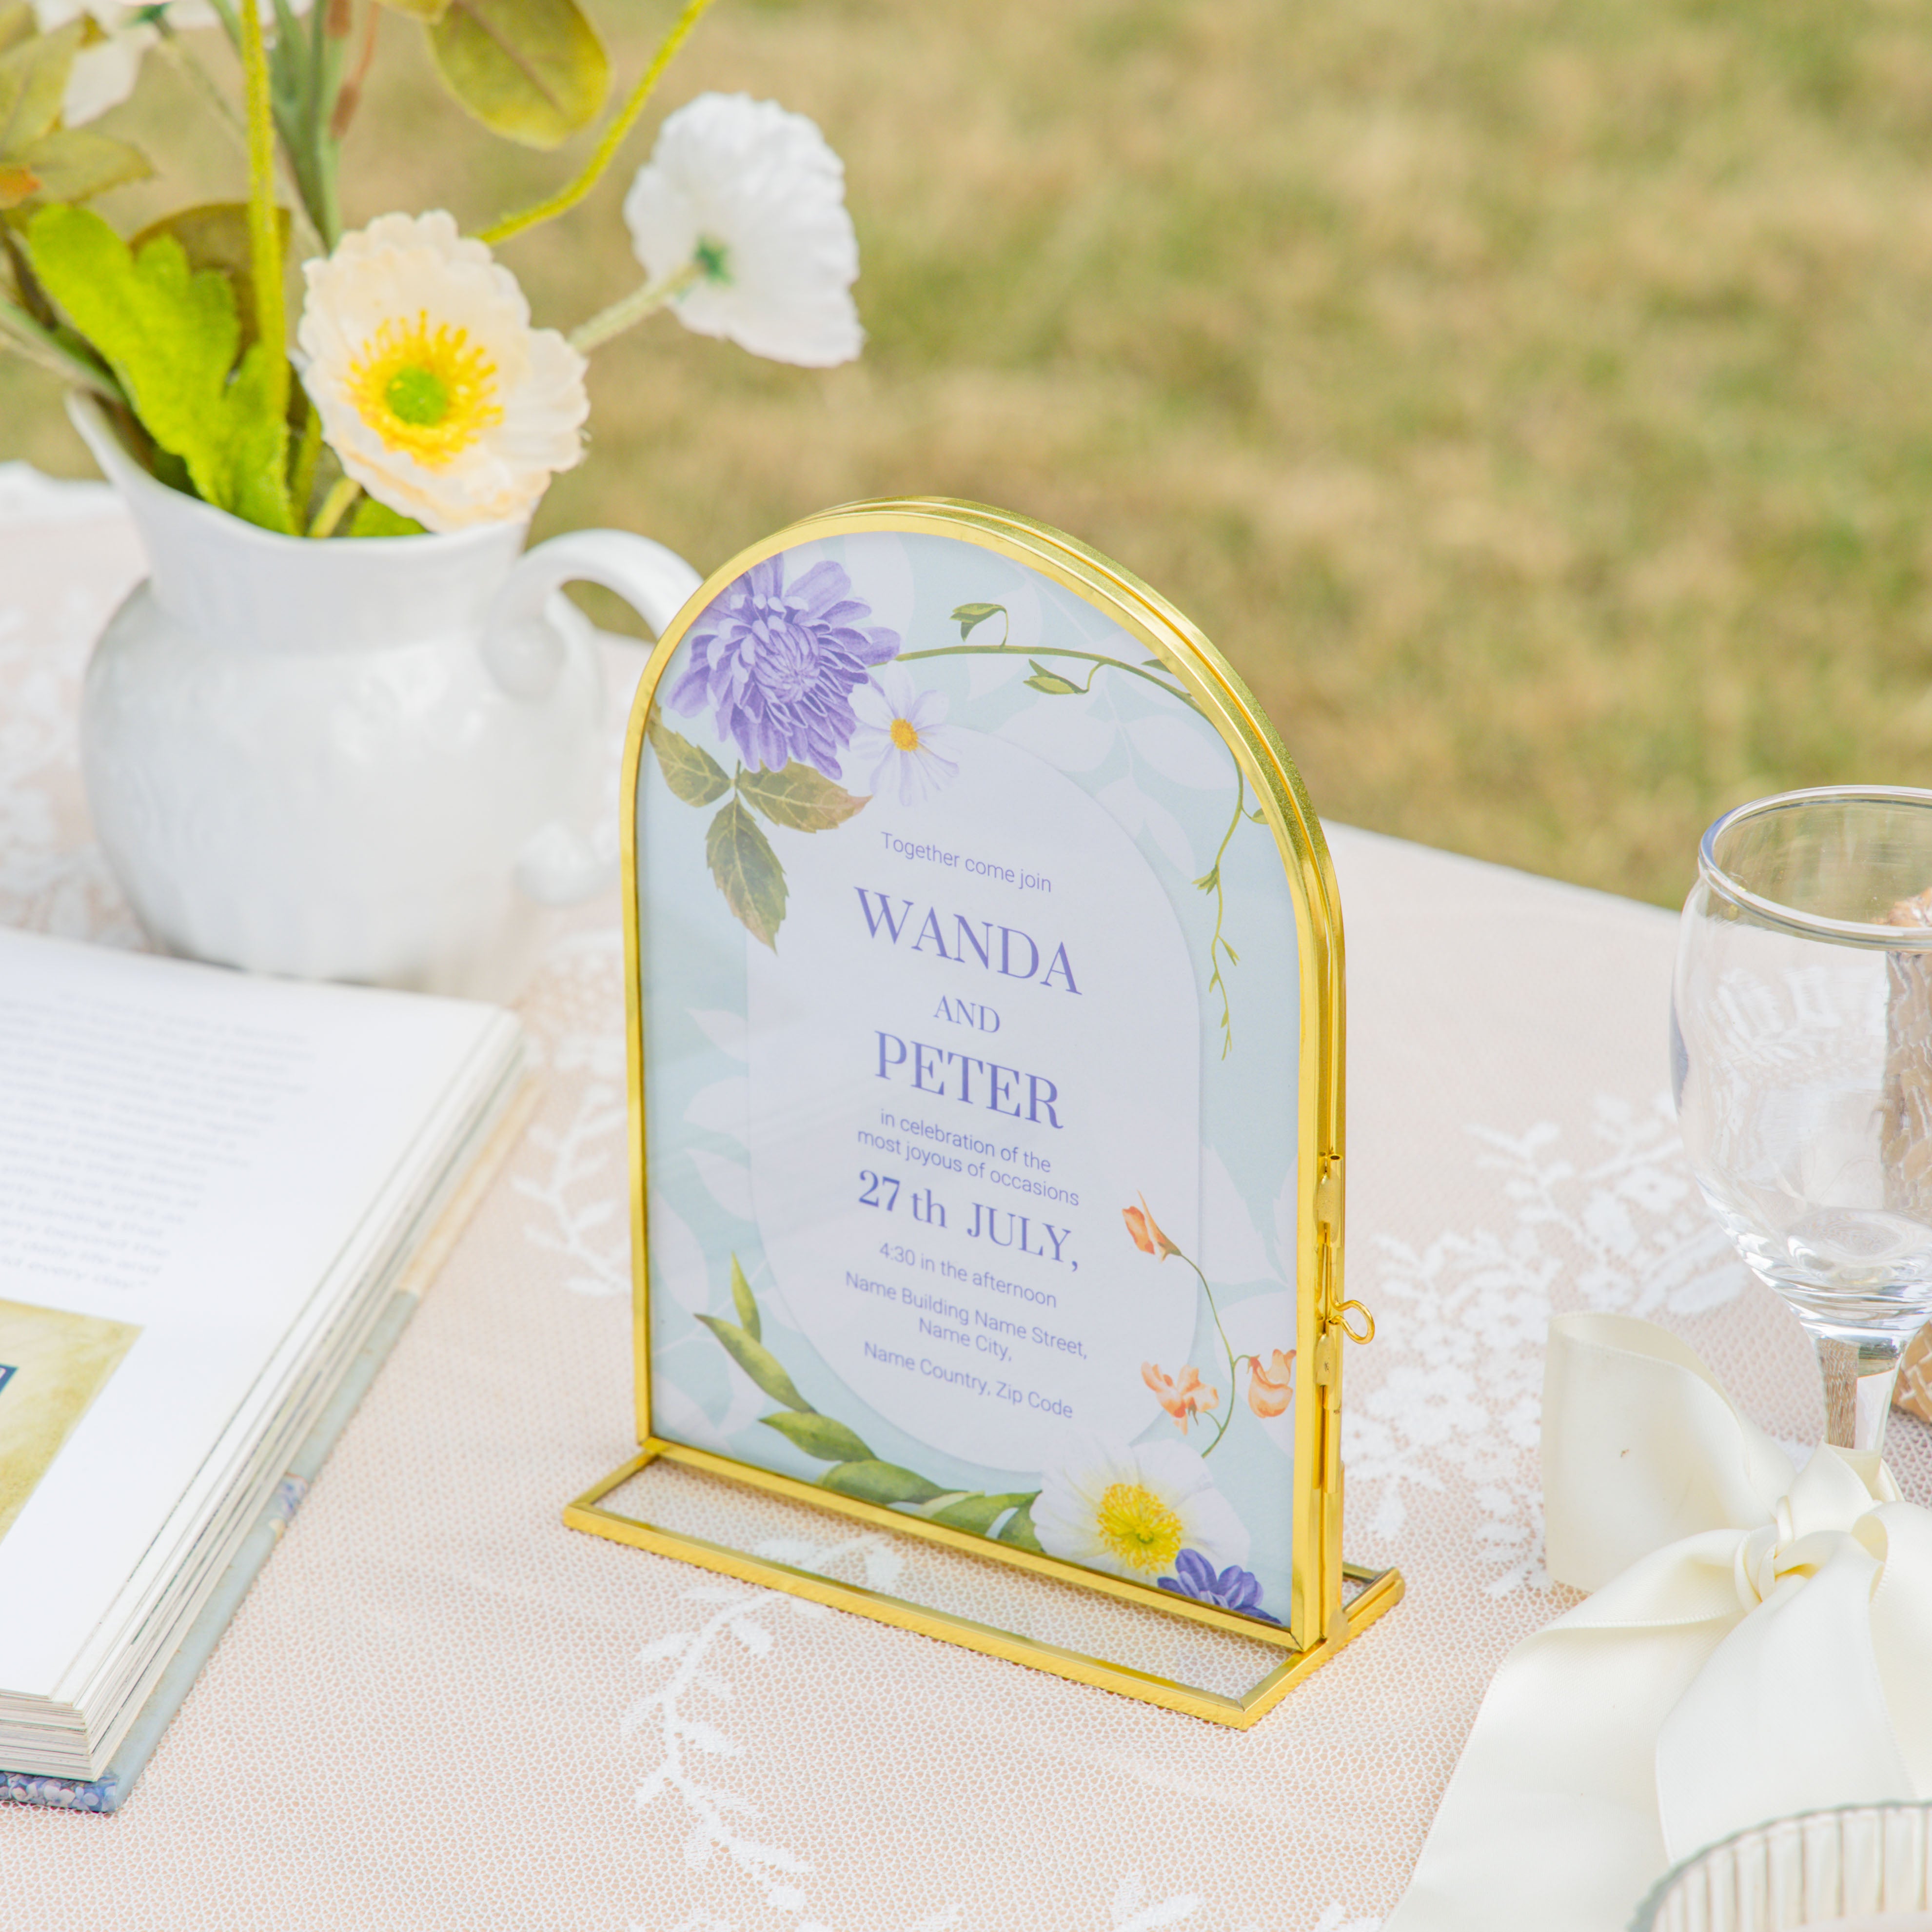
[434, 1710]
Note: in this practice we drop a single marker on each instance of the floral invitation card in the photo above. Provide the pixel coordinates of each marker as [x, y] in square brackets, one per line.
[970, 1017]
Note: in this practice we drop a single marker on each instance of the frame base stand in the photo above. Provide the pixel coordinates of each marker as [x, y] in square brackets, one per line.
[682, 1502]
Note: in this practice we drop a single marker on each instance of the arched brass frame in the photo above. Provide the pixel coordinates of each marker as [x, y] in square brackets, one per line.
[1323, 1614]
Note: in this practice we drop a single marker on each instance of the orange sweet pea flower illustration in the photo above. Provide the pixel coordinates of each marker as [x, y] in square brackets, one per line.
[1146, 1231]
[1269, 1388]
[1182, 1400]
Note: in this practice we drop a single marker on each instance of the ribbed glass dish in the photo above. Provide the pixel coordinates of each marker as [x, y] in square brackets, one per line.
[1866, 1868]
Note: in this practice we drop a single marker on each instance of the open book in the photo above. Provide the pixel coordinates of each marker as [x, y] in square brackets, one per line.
[210, 1187]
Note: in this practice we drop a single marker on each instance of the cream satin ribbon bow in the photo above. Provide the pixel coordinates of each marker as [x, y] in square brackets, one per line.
[1757, 1645]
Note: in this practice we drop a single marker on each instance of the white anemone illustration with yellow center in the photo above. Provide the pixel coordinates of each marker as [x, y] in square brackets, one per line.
[1131, 1508]
[901, 738]
[433, 390]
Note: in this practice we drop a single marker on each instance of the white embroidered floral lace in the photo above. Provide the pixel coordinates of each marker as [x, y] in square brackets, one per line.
[439, 1708]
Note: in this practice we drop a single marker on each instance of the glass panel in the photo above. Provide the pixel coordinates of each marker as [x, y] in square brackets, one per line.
[971, 1013]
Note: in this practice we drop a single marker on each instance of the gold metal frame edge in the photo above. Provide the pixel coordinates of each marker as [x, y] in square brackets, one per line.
[1381, 1591]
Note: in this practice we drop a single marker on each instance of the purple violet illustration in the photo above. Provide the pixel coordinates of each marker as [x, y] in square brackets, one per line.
[778, 663]
[1233, 1588]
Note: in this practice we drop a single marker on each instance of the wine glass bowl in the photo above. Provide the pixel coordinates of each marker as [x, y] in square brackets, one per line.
[1801, 1063]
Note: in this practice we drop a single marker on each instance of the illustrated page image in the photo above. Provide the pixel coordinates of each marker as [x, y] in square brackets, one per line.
[53, 1362]
[971, 1008]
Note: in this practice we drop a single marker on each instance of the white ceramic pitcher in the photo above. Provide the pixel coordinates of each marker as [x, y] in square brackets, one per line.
[370, 760]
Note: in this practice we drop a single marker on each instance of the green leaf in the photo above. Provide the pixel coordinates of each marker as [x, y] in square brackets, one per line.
[532, 71]
[745, 1303]
[758, 1362]
[1018, 1531]
[16, 22]
[692, 773]
[418, 9]
[748, 872]
[76, 163]
[1051, 682]
[61, 351]
[170, 333]
[969, 616]
[879, 1482]
[819, 1435]
[372, 519]
[214, 234]
[251, 451]
[798, 798]
[33, 80]
[978, 1513]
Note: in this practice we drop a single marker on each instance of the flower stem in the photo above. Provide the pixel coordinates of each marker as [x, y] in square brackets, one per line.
[1048, 651]
[1210, 881]
[191, 69]
[1227, 1349]
[614, 135]
[316, 154]
[20, 332]
[335, 506]
[633, 309]
[308, 453]
[264, 240]
[348, 95]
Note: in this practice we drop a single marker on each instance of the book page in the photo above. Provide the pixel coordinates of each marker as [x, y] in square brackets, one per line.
[185, 1154]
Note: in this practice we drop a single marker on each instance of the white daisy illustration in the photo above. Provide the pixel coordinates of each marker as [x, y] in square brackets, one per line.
[902, 739]
[1132, 1508]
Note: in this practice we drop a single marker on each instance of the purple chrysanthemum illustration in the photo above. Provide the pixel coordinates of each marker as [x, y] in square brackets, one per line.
[778, 663]
[1233, 1588]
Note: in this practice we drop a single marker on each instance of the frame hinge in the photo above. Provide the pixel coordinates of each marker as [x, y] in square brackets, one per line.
[1328, 1367]
[1328, 1200]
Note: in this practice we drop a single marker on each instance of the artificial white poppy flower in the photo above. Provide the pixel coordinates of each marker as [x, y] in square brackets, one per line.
[105, 70]
[902, 739]
[433, 390]
[1132, 1508]
[753, 198]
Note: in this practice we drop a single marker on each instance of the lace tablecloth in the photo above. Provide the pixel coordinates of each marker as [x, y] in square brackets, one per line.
[440, 1708]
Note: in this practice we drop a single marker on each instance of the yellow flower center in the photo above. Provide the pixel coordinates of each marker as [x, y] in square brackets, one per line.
[903, 735]
[430, 393]
[1137, 1528]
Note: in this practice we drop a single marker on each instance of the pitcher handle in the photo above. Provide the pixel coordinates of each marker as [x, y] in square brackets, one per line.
[524, 650]
[561, 863]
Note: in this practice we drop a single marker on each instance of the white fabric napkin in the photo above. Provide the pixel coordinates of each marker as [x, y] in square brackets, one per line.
[1760, 1643]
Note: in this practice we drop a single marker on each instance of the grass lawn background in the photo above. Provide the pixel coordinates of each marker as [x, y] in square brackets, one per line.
[1534, 399]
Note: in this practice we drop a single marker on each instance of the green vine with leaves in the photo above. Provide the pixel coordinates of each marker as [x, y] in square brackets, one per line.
[1050, 683]
[855, 1470]
[1210, 881]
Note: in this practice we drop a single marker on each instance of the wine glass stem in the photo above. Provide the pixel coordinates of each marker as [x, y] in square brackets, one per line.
[1859, 1379]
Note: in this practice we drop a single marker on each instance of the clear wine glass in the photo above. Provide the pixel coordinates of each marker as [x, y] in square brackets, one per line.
[1801, 1044]
[1864, 1868]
